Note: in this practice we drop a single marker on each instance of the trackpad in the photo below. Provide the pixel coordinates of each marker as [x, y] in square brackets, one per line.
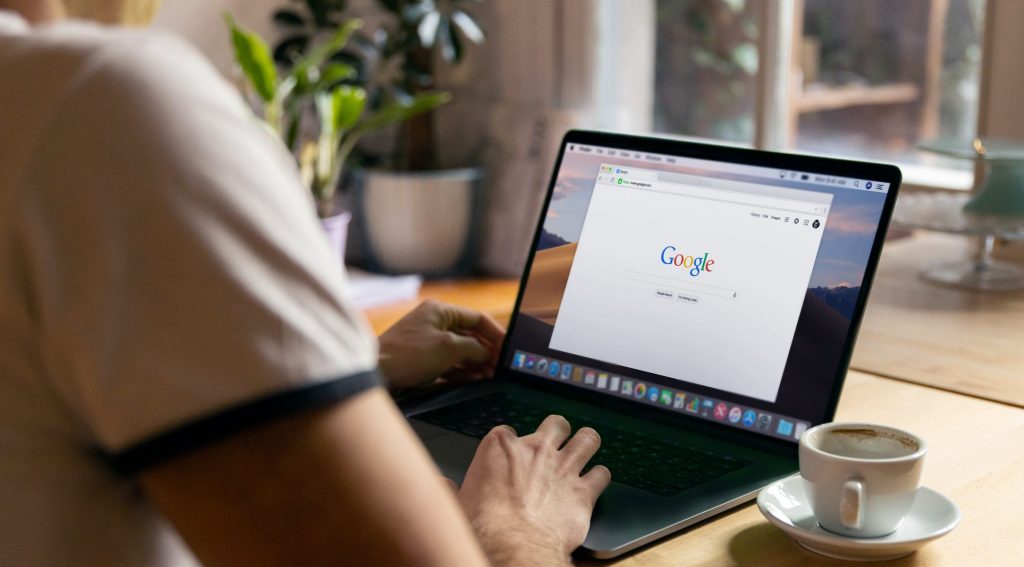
[452, 452]
[426, 430]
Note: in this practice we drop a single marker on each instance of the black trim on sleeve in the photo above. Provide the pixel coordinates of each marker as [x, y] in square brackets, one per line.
[223, 424]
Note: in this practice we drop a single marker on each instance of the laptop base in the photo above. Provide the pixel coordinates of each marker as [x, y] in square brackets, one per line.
[625, 517]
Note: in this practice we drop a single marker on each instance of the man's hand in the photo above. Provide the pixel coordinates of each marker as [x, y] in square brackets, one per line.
[439, 340]
[525, 497]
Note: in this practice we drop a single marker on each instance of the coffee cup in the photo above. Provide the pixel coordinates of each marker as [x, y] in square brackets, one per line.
[861, 479]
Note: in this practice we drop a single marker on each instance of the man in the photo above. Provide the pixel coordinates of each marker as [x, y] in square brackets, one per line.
[177, 350]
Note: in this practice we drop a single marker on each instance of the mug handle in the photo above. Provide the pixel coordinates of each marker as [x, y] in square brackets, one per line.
[851, 505]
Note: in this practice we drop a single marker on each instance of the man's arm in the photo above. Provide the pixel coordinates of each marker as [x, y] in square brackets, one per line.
[348, 485]
[352, 485]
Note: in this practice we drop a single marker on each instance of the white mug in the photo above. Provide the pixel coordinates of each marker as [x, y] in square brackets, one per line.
[861, 479]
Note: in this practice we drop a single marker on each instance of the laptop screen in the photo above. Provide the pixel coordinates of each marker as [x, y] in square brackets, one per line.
[716, 289]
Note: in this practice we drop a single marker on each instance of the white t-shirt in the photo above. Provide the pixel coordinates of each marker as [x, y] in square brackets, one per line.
[163, 283]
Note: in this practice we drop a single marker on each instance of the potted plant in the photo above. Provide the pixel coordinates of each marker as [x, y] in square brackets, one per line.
[311, 107]
[413, 215]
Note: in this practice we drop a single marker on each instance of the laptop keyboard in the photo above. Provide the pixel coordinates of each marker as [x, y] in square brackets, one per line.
[661, 466]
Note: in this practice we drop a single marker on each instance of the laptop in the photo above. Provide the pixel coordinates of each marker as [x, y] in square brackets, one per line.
[695, 304]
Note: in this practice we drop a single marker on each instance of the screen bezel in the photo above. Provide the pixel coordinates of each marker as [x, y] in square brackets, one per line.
[742, 156]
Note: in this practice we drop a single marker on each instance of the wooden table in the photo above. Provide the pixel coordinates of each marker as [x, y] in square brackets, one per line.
[975, 456]
[976, 446]
[964, 341]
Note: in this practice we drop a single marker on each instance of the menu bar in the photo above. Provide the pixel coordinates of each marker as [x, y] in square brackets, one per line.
[786, 176]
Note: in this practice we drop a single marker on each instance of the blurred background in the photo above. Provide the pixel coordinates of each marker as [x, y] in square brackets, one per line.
[867, 79]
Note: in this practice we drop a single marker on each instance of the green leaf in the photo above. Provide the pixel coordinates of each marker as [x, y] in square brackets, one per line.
[468, 27]
[322, 52]
[339, 110]
[326, 146]
[413, 12]
[428, 27]
[294, 119]
[349, 103]
[334, 73]
[253, 56]
[325, 112]
[399, 112]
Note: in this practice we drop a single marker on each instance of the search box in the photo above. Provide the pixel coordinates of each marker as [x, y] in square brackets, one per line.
[693, 287]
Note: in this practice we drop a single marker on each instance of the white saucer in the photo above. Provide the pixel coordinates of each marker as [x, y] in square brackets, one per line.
[785, 504]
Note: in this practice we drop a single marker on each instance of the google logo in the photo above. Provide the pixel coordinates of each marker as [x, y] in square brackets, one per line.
[695, 264]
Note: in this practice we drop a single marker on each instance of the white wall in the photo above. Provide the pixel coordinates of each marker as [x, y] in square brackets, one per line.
[201, 22]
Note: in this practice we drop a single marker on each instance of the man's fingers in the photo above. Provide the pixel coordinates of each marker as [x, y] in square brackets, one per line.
[459, 375]
[463, 319]
[554, 430]
[490, 331]
[498, 434]
[463, 349]
[595, 481]
[580, 449]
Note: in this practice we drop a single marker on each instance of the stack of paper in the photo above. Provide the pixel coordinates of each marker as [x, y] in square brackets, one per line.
[374, 290]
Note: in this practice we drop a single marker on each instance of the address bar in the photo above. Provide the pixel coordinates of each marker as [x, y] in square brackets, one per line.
[730, 196]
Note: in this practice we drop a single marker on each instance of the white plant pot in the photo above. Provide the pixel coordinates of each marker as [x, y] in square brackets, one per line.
[421, 222]
[336, 228]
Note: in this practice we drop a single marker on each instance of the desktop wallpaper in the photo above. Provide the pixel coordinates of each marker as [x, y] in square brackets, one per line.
[824, 319]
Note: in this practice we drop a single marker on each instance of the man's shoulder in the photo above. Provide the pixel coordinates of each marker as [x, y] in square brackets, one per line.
[67, 53]
[98, 77]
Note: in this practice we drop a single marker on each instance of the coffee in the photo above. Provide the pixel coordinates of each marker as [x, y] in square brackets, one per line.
[864, 443]
[861, 479]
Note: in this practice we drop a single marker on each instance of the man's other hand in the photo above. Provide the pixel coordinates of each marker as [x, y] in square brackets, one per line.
[439, 340]
[525, 496]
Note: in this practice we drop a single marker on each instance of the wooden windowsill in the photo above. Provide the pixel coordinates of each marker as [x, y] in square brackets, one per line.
[818, 97]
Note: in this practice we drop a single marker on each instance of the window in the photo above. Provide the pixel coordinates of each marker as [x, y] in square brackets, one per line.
[879, 77]
[706, 69]
[869, 79]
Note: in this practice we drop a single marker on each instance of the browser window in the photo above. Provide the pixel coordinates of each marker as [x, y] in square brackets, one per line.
[721, 289]
[673, 271]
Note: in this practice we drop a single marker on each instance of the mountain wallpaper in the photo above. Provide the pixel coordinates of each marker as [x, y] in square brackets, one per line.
[841, 298]
[550, 240]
